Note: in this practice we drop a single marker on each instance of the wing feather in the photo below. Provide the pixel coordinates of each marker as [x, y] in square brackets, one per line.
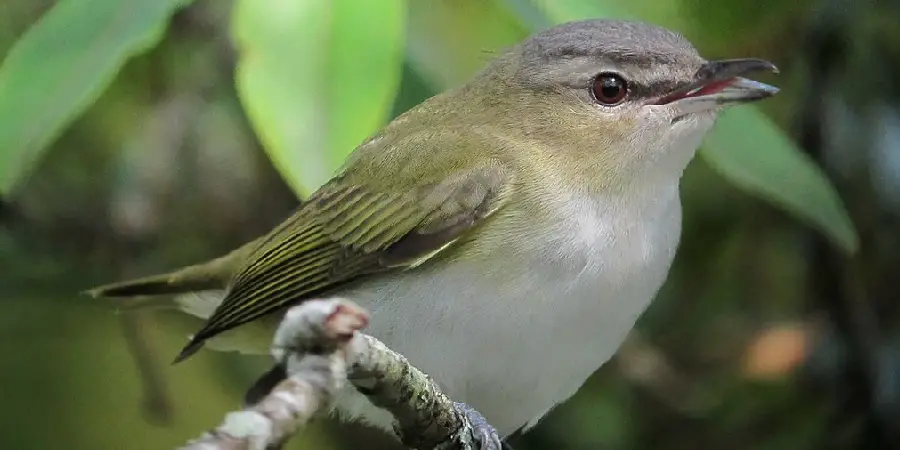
[346, 231]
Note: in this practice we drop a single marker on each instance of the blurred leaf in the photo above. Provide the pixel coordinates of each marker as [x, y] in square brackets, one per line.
[661, 13]
[719, 28]
[749, 150]
[316, 78]
[559, 11]
[61, 65]
[443, 55]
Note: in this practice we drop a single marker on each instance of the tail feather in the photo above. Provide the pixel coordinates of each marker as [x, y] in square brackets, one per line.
[206, 276]
[165, 284]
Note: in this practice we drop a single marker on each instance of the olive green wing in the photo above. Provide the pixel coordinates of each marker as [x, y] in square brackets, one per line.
[346, 231]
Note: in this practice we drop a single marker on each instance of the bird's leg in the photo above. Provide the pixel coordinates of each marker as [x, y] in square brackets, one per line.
[264, 384]
[487, 436]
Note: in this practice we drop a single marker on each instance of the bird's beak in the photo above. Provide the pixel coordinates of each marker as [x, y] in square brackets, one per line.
[720, 83]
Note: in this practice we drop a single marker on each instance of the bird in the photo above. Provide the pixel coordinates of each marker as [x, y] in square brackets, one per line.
[505, 235]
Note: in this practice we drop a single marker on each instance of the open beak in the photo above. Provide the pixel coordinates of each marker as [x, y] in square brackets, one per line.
[721, 83]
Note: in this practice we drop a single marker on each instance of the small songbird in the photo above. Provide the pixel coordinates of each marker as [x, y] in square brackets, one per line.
[505, 235]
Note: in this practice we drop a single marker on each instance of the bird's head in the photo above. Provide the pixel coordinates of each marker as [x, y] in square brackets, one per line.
[629, 96]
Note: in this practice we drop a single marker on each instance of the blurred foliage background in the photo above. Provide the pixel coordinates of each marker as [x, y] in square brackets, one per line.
[138, 135]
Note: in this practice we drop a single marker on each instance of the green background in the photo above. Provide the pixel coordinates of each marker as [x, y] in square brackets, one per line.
[139, 135]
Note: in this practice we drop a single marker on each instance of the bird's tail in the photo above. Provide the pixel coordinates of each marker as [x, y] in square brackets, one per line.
[210, 275]
[164, 284]
[188, 290]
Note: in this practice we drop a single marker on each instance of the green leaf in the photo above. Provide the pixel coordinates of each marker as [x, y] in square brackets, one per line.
[316, 78]
[750, 151]
[446, 58]
[61, 65]
[666, 13]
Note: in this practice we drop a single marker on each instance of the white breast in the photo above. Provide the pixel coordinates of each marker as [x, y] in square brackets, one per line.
[515, 339]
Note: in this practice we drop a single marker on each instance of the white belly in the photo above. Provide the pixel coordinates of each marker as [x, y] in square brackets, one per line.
[515, 339]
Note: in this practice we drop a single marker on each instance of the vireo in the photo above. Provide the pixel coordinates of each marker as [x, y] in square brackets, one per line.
[505, 235]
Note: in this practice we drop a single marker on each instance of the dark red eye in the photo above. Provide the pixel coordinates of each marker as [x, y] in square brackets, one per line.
[609, 88]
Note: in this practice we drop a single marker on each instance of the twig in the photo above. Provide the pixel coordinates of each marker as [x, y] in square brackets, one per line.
[156, 404]
[321, 327]
[318, 345]
[426, 418]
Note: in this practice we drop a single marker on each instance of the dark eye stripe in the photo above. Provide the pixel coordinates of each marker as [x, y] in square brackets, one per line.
[659, 88]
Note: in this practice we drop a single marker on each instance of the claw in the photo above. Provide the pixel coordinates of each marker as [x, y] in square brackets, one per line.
[487, 436]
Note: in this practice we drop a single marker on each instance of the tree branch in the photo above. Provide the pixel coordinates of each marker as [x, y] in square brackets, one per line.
[319, 346]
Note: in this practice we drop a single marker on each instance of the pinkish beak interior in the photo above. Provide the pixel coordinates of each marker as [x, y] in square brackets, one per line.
[709, 89]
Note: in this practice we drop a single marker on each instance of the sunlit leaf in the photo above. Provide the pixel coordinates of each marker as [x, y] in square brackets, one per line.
[750, 151]
[61, 65]
[316, 78]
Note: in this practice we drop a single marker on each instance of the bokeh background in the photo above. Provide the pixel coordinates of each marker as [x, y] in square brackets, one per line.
[138, 135]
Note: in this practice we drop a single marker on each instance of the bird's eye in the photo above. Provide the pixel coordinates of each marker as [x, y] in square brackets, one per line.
[609, 88]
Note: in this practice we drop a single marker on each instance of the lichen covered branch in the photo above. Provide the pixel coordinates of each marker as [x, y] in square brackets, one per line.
[426, 418]
[310, 344]
[320, 349]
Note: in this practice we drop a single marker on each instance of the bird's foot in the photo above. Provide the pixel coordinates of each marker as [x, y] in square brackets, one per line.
[486, 435]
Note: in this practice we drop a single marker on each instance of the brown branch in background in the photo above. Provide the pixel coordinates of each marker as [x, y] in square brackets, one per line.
[155, 403]
[320, 349]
